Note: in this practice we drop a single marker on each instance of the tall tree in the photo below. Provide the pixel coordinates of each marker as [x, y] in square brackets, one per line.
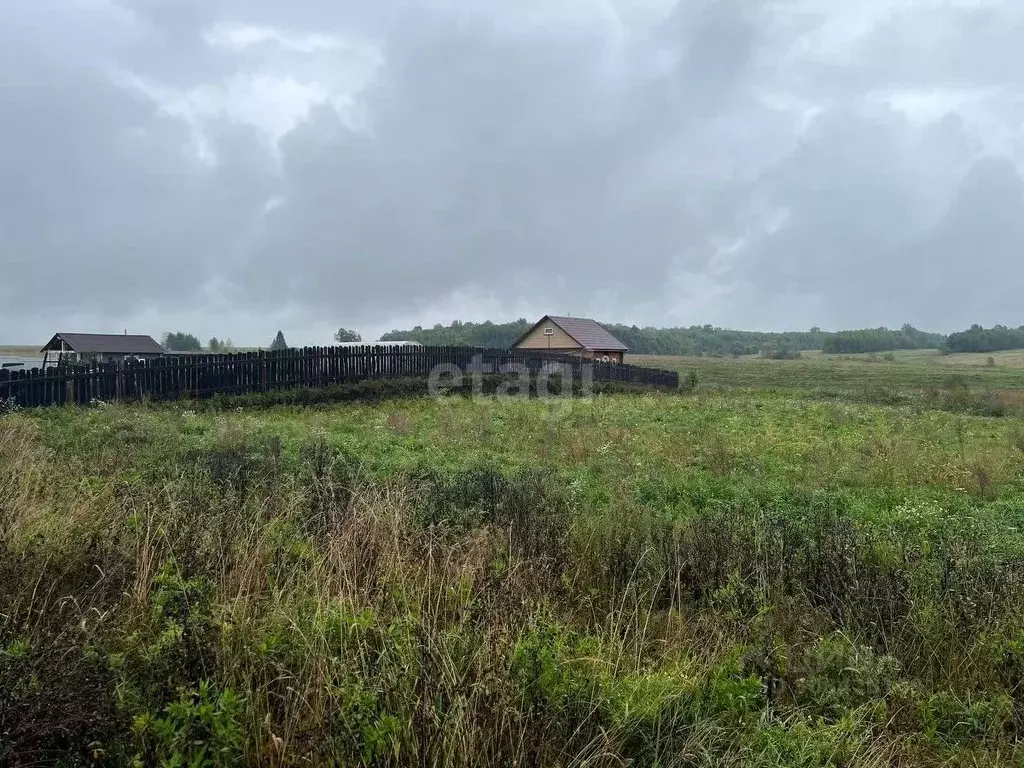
[278, 343]
[344, 334]
[181, 342]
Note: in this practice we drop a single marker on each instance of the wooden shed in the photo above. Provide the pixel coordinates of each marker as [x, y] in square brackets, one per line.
[101, 347]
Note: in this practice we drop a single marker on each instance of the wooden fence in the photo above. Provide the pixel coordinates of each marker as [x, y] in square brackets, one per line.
[197, 376]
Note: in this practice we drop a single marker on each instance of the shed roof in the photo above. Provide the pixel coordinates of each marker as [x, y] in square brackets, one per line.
[105, 343]
[588, 333]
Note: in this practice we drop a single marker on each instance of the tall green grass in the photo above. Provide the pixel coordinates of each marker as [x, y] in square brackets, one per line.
[669, 580]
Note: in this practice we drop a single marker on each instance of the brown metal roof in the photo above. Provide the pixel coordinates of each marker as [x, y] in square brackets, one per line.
[588, 333]
[106, 344]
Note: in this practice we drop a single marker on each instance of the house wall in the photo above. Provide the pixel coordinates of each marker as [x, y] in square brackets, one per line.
[560, 341]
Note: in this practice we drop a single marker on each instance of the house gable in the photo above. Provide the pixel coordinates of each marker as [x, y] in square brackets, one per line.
[570, 333]
[538, 338]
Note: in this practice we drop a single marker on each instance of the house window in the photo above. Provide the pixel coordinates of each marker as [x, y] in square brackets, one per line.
[549, 331]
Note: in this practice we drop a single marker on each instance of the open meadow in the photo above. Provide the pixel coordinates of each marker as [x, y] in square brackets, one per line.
[792, 563]
[920, 376]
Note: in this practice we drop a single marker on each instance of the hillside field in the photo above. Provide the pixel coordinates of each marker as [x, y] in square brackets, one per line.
[814, 562]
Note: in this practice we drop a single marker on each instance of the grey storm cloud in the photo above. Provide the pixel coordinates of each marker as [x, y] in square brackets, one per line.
[789, 163]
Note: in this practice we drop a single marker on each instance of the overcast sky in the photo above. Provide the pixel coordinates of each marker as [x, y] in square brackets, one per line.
[231, 167]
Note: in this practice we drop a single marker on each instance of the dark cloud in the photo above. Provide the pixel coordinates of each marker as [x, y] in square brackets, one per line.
[493, 155]
[731, 162]
[103, 207]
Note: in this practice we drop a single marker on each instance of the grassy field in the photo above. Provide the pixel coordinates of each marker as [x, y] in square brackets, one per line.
[778, 568]
[1008, 358]
[908, 373]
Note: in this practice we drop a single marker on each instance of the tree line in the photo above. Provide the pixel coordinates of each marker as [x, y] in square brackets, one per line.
[179, 341]
[978, 339]
[696, 340]
[880, 340]
[460, 334]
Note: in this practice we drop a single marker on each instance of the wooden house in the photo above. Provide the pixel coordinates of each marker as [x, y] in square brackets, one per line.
[573, 336]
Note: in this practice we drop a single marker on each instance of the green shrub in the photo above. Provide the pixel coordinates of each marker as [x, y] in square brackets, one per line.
[201, 728]
[173, 649]
[526, 506]
[365, 731]
[840, 675]
[558, 671]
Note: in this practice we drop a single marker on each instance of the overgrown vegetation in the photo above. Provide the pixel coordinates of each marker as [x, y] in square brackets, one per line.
[708, 578]
[381, 390]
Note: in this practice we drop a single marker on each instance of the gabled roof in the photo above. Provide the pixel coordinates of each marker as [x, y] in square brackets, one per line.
[105, 344]
[586, 332]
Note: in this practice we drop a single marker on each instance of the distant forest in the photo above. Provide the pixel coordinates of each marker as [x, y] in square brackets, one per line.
[978, 339]
[695, 340]
[881, 340]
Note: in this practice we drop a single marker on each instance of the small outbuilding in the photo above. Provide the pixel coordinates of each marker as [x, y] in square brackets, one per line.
[573, 336]
[101, 347]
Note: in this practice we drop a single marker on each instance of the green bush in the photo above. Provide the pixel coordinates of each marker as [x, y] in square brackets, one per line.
[558, 672]
[174, 647]
[840, 675]
[201, 728]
